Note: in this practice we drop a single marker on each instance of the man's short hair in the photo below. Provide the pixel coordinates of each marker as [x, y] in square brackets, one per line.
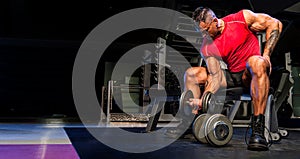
[202, 14]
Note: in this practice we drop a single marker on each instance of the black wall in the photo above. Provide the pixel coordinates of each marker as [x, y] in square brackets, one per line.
[39, 40]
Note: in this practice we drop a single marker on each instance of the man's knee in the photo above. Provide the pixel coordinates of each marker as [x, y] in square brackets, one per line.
[196, 74]
[190, 71]
[257, 65]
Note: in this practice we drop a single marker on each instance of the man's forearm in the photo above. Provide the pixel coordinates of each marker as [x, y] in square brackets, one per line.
[214, 83]
[215, 75]
[271, 42]
[272, 35]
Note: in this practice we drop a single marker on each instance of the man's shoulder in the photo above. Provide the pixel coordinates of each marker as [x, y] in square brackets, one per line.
[237, 16]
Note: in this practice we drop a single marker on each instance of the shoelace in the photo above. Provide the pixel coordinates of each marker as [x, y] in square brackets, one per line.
[270, 142]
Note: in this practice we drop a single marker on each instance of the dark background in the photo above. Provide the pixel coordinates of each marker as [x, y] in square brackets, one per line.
[39, 41]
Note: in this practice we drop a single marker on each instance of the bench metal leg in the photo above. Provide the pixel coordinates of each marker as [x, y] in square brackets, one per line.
[155, 114]
[233, 110]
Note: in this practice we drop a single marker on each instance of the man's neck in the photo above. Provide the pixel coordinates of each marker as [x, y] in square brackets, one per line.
[221, 25]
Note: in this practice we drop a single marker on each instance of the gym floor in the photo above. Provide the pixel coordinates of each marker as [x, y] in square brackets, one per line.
[47, 140]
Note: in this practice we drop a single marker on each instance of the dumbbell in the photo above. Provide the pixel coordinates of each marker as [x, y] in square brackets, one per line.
[214, 129]
[207, 99]
[210, 104]
[199, 128]
[184, 103]
[218, 130]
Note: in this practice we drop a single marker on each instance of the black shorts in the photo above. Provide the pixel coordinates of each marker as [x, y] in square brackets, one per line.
[234, 79]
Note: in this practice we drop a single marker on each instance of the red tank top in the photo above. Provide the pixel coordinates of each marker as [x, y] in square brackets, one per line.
[235, 45]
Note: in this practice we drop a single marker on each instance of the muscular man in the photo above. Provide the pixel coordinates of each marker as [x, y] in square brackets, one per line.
[234, 41]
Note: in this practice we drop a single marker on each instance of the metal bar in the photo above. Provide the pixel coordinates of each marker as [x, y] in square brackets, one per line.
[102, 117]
[241, 121]
[109, 97]
[147, 85]
[161, 62]
[233, 110]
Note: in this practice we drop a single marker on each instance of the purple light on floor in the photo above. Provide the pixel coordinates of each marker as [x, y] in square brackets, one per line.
[38, 151]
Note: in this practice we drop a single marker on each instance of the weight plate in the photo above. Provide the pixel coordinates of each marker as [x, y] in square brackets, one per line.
[205, 101]
[184, 102]
[218, 130]
[198, 128]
